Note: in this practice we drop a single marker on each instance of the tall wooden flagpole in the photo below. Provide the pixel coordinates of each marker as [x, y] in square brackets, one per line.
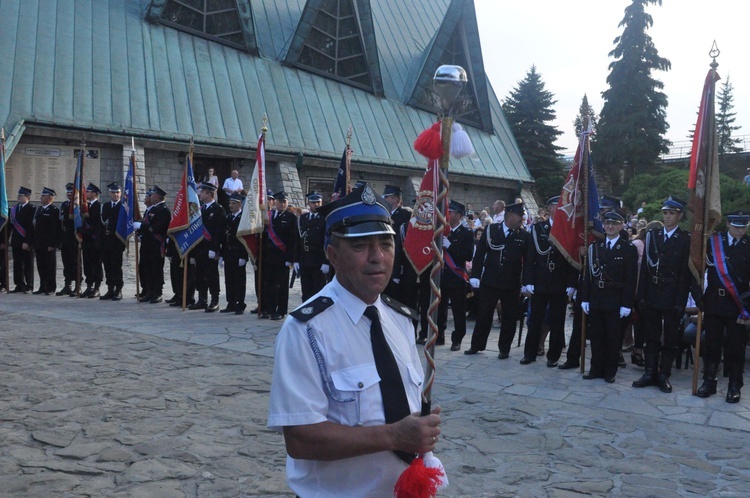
[348, 187]
[6, 229]
[714, 53]
[186, 257]
[135, 235]
[584, 258]
[259, 290]
[81, 200]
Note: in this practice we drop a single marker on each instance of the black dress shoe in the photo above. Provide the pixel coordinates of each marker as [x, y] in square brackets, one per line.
[200, 305]
[422, 341]
[456, 346]
[93, 294]
[146, 297]
[569, 365]
[503, 356]
[471, 351]
[551, 364]
[17, 290]
[440, 341]
[65, 291]
[228, 309]
[37, 292]
[664, 385]
[239, 311]
[733, 393]
[277, 317]
[609, 380]
[254, 312]
[178, 304]
[156, 299]
[526, 360]
[117, 296]
[591, 376]
[264, 316]
[213, 306]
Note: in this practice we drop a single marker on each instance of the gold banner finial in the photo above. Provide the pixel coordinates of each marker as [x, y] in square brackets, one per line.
[264, 128]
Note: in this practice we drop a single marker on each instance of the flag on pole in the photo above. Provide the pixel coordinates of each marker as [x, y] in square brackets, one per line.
[340, 187]
[254, 211]
[568, 217]
[3, 192]
[79, 207]
[186, 227]
[421, 228]
[703, 183]
[129, 206]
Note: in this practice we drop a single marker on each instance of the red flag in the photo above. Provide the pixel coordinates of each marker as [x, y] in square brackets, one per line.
[421, 229]
[569, 216]
[254, 211]
[705, 197]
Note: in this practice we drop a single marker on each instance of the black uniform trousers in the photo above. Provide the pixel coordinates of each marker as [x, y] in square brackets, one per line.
[511, 304]
[92, 264]
[606, 340]
[235, 281]
[456, 296]
[23, 269]
[112, 259]
[553, 306]
[176, 275]
[724, 332]
[152, 272]
[3, 283]
[311, 280]
[69, 256]
[573, 354]
[207, 277]
[46, 265]
[275, 294]
[654, 322]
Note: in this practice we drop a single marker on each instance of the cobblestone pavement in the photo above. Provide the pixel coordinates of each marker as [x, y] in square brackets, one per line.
[124, 399]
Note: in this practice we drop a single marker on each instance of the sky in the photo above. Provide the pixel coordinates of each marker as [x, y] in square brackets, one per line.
[568, 42]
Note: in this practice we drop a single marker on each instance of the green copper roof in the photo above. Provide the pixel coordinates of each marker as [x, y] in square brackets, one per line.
[103, 66]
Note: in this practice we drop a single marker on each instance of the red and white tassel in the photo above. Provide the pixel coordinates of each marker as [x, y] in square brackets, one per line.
[423, 478]
[461, 145]
[429, 143]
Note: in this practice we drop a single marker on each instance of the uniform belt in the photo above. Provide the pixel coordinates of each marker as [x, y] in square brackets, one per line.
[662, 280]
[609, 285]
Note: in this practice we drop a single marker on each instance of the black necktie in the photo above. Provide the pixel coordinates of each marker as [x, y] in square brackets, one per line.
[734, 242]
[395, 404]
[609, 245]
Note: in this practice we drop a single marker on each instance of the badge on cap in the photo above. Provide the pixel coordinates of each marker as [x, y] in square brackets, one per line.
[368, 196]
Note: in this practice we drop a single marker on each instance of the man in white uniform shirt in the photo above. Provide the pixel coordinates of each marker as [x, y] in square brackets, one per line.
[347, 376]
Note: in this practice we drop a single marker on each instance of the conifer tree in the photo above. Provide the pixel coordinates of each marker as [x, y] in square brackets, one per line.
[584, 111]
[633, 121]
[725, 118]
[528, 110]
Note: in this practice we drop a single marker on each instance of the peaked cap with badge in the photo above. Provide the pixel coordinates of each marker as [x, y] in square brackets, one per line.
[360, 214]
[739, 218]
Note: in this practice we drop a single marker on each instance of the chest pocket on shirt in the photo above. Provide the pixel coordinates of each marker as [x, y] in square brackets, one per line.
[355, 389]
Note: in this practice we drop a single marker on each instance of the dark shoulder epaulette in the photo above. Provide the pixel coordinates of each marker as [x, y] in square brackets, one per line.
[312, 309]
[401, 308]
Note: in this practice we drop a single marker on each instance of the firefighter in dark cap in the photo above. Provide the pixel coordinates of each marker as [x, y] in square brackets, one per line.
[91, 243]
[278, 258]
[46, 226]
[310, 260]
[68, 245]
[21, 242]
[207, 252]
[111, 245]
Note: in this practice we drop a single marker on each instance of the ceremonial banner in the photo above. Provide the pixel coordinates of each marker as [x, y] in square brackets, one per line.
[129, 205]
[340, 187]
[79, 207]
[186, 227]
[3, 192]
[421, 228]
[705, 195]
[569, 216]
[255, 211]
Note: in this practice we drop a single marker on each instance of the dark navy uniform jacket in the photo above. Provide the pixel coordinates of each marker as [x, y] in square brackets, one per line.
[665, 277]
[499, 260]
[546, 268]
[612, 276]
[717, 300]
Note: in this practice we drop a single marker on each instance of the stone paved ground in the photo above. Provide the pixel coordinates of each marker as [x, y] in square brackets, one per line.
[126, 399]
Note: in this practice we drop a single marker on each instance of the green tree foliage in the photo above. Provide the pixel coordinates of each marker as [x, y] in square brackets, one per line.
[725, 118]
[528, 110]
[584, 111]
[655, 188]
[632, 123]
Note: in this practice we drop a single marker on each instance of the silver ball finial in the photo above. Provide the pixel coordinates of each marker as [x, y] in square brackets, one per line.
[449, 81]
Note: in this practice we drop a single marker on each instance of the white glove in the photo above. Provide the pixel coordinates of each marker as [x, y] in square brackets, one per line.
[288, 264]
[585, 307]
[446, 242]
[571, 291]
[296, 267]
[192, 261]
[242, 262]
[474, 282]
[137, 225]
[324, 269]
[529, 289]
[211, 254]
[221, 262]
[624, 312]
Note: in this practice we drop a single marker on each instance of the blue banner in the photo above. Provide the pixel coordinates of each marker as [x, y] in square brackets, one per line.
[127, 205]
[186, 228]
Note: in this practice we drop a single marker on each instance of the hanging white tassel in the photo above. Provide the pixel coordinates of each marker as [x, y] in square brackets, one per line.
[460, 142]
[430, 460]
